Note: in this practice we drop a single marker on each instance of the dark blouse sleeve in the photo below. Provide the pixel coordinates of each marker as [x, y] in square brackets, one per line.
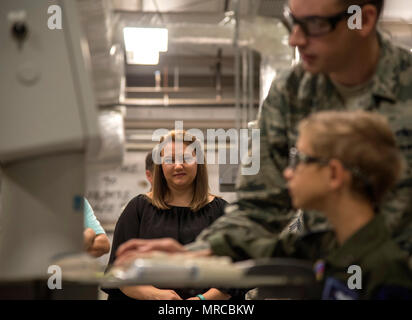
[127, 227]
[221, 205]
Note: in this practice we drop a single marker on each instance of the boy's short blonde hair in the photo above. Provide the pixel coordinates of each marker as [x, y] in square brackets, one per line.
[363, 142]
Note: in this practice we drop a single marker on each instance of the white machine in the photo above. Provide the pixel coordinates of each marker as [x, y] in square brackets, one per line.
[183, 271]
[48, 123]
[48, 127]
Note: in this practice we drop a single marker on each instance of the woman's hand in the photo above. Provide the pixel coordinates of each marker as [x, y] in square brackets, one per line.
[95, 245]
[100, 246]
[88, 238]
[213, 294]
[150, 293]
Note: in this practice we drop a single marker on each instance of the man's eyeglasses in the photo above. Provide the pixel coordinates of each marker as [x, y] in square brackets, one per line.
[296, 157]
[313, 26]
[316, 26]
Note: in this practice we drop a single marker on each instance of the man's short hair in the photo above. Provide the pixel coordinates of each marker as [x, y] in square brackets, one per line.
[379, 4]
[363, 142]
[149, 161]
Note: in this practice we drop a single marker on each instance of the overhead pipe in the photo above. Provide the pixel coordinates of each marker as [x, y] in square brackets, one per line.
[251, 116]
[166, 85]
[244, 86]
[237, 65]
[176, 79]
[218, 77]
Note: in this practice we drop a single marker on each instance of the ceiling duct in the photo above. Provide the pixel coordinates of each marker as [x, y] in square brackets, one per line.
[264, 35]
[271, 8]
[128, 5]
[107, 57]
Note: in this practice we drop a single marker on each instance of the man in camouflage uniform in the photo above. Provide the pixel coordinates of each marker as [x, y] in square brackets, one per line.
[251, 226]
[342, 69]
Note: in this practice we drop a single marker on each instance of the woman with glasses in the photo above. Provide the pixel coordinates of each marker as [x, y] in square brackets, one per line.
[343, 165]
[178, 207]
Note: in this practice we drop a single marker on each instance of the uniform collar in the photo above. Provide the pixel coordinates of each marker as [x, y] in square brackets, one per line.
[385, 78]
[365, 240]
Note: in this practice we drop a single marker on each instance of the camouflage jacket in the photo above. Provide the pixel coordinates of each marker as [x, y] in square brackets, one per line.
[263, 214]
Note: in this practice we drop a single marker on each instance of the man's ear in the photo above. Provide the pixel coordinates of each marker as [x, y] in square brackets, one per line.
[149, 176]
[338, 174]
[370, 18]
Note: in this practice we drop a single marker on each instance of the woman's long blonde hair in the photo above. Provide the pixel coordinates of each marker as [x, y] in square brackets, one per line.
[200, 184]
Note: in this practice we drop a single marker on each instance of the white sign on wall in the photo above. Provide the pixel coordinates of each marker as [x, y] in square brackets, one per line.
[398, 9]
[109, 191]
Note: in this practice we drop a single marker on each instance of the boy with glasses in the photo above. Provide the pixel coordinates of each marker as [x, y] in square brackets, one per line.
[343, 165]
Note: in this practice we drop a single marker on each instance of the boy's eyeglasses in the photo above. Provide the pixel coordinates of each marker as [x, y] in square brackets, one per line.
[296, 157]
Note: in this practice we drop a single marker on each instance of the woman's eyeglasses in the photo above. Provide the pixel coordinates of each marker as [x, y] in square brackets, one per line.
[185, 158]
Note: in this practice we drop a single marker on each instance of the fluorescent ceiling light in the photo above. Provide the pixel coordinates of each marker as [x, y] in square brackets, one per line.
[144, 44]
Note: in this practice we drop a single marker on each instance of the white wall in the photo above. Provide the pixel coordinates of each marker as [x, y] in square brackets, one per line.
[395, 9]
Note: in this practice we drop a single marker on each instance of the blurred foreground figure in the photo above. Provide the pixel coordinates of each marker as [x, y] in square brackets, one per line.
[96, 242]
